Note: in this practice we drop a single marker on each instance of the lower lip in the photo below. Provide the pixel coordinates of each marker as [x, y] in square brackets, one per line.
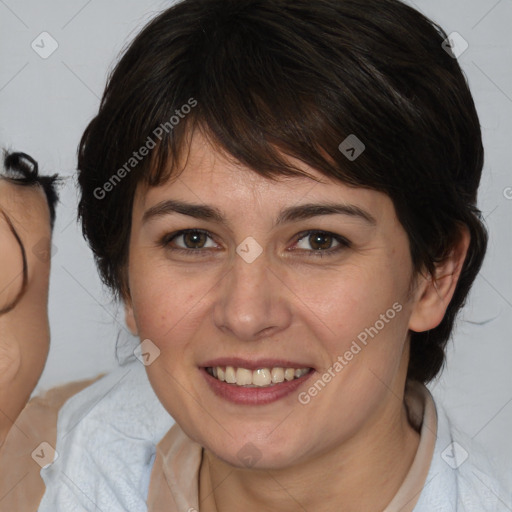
[253, 396]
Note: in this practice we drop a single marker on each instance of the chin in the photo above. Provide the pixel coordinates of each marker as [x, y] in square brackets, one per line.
[244, 453]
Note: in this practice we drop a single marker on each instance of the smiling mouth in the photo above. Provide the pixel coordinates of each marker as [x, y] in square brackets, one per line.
[259, 378]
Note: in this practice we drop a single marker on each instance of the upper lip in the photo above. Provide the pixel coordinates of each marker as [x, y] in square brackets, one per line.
[254, 364]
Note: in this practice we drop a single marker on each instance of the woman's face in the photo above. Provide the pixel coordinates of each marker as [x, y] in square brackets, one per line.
[251, 288]
[24, 330]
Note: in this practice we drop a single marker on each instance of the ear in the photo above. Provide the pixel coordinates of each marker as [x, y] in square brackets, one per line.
[130, 318]
[434, 293]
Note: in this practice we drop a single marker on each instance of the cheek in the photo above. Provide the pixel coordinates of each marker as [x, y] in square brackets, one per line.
[349, 300]
[10, 358]
[166, 303]
[360, 317]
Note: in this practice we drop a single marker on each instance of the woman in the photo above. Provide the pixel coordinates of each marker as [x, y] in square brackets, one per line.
[283, 194]
[27, 214]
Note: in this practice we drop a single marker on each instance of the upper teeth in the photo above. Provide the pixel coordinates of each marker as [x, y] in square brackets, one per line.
[257, 378]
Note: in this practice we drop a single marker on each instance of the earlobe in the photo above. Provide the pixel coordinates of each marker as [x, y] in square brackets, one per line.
[434, 293]
[130, 319]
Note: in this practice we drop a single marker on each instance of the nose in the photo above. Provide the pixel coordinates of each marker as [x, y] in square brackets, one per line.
[252, 301]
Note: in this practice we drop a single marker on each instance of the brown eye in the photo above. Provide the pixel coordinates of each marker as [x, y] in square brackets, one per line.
[188, 240]
[319, 243]
[194, 239]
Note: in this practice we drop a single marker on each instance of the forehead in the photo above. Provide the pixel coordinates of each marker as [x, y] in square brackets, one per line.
[207, 175]
[24, 203]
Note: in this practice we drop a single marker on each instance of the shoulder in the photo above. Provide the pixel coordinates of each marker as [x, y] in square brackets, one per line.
[484, 483]
[29, 446]
[462, 476]
[106, 440]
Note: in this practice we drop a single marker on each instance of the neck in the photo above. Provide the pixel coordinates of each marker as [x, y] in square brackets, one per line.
[362, 474]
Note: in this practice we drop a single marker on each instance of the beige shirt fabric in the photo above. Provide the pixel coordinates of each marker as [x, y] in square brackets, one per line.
[174, 484]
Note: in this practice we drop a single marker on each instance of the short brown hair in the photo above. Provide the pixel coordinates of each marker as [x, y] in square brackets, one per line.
[272, 78]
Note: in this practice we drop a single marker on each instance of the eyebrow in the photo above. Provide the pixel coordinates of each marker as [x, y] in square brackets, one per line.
[290, 214]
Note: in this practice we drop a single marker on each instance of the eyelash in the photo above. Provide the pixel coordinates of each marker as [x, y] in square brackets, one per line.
[343, 242]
